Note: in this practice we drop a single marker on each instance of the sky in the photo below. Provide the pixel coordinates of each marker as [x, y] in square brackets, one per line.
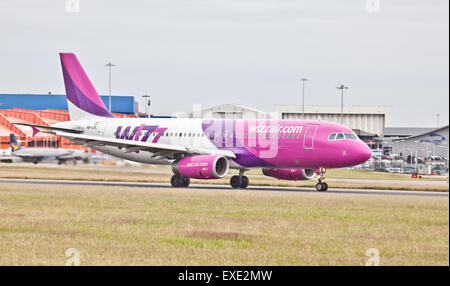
[248, 52]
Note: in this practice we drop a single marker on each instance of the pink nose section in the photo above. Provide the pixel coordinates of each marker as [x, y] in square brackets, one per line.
[364, 153]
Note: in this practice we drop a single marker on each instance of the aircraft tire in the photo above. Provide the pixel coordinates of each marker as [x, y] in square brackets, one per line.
[236, 182]
[320, 187]
[176, 181]
[186, 182]
[245, 182]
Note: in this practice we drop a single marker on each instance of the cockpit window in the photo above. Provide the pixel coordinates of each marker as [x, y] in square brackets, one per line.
[339, 136]
[350, 136]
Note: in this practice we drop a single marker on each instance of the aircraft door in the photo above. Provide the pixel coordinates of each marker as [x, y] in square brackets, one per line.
[310, 134]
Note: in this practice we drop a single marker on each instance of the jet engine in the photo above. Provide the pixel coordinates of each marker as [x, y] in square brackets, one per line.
[289, 173]
[202, 167]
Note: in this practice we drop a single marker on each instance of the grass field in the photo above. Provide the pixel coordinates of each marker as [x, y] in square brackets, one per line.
[163, 173]
[131, 226]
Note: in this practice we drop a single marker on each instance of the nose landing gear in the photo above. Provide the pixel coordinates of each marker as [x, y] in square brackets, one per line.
[239, 182]
[321, 185]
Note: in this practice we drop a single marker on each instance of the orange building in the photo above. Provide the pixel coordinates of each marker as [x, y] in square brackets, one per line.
[41, 117]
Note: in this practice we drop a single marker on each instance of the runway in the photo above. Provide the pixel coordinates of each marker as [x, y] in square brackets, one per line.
[213, 187]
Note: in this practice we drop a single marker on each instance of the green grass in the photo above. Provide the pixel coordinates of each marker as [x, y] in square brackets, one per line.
[135, 226]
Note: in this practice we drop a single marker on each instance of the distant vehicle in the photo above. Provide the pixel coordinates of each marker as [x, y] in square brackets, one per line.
[36, 155]
[409, 170]
[395, 157]
[437, 158]
[393, 170]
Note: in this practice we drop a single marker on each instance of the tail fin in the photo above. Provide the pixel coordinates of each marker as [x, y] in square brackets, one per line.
[82, 99]
[13, 143]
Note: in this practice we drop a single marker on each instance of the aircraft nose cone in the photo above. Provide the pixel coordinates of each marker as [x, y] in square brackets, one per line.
[364, 153]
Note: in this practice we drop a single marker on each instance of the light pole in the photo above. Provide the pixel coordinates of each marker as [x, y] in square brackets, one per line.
[147, 104]
[303, 80]
[110, 65]
[342, 87]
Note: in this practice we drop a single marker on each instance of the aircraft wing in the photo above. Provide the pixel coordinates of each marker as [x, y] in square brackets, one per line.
[158, 149]
[30, 156]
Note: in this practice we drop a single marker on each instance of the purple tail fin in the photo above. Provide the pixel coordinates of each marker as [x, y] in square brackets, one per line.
[82, 99]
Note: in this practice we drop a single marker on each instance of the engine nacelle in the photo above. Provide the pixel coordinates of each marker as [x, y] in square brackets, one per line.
[289, 173]
[202, 167]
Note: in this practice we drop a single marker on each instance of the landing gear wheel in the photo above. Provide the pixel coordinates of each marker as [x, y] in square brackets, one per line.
[244, 182]
[320, 187]
[236, 182]
[176, 181]
[186, 182]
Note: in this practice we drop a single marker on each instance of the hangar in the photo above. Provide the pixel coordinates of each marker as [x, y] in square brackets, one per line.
[227, 111]
[364, 119]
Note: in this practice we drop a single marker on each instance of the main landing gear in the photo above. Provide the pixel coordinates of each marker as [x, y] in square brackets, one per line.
[239, 182]
[321, 185]
[179, 181]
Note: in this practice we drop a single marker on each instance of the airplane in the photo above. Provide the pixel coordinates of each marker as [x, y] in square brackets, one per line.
[36, 155]
[206, 148]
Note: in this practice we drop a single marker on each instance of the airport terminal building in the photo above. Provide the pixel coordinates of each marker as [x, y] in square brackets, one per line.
[367, 119]
[432, 142]
[46, 109]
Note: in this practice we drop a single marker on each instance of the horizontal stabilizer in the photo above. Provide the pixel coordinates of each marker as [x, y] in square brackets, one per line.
[35, 126]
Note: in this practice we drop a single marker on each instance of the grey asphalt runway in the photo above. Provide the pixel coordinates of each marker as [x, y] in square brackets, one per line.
[213, 187]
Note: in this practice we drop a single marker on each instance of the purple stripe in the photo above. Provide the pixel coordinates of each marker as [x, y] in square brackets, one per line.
[80, 78]
[80, 100]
